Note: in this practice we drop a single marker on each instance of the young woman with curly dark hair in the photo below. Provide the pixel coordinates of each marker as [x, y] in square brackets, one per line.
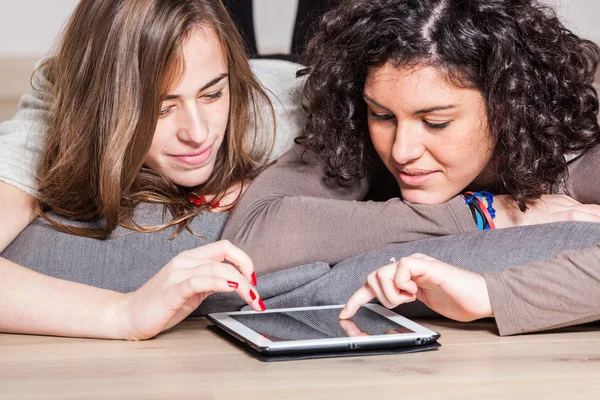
[433, 98]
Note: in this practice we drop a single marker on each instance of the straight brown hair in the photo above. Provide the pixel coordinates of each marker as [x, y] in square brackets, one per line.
[115, 64]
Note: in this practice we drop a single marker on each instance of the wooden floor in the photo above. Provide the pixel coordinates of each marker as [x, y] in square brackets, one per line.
[190, 362]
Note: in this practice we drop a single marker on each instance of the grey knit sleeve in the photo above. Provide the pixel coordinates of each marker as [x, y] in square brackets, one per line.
[22, 139]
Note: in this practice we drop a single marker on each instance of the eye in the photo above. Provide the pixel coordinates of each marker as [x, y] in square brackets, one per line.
[165, 111]
[436, 126]
[214, 96]
[380, 117]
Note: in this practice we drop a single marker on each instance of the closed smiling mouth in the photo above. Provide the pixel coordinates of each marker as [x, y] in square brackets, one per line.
[195, 159]
[415, 177]
[414, 172]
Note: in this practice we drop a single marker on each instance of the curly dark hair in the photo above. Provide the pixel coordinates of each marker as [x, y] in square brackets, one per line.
[534, 74]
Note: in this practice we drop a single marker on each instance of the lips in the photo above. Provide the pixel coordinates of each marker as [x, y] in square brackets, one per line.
[416, 177]
[195, 159]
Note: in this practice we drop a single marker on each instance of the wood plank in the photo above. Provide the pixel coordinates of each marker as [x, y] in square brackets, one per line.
[191, 362]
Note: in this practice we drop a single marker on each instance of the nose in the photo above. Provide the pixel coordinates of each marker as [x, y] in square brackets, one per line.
[408, 145]
[193, 126]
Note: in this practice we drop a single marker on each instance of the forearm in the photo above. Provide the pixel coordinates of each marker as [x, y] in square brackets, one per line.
[547, 294]
[289, 217]
[33, 303]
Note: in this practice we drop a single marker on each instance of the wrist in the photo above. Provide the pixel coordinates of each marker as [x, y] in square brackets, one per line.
[487, 310]
[116, 318]
[481, 305]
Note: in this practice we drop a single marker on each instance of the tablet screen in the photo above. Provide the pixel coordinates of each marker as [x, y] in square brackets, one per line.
[316, 324]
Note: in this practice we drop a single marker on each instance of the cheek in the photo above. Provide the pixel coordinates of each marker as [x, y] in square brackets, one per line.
[220, 115]
[469, 154]
[158, 142]
[382, 140]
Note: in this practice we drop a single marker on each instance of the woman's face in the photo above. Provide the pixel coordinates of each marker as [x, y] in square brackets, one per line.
[194, 115]
[432, 136]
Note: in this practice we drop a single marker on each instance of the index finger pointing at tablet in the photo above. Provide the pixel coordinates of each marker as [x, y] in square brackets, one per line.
[361, 297]
[223, 250]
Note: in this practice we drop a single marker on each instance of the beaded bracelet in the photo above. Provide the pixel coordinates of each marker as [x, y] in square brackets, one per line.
[483, 216]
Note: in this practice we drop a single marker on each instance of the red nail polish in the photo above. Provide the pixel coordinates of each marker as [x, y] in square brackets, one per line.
[262, 305]
[253, 279]
[252, 295]
[194, 199]
[232, 284]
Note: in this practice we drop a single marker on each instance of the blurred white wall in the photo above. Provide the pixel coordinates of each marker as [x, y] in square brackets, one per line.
[581, 16]
[28, 28]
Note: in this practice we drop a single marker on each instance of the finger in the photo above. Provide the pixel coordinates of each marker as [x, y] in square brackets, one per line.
[374, 280]
[403, 279]
[352, 329]
[230, 198]
[225, 251]
[574, 215]
[360, 297]
[551, 200]
[421, 256]
[395, 296]
[398, 294]
[180, 293]
[589, 208]
[225, 271]
[208, 198]
[389, 291]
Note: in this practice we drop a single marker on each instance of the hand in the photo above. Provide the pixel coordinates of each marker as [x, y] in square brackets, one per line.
[452, 292]
[548, 208]
[229, 199]
[181, 285]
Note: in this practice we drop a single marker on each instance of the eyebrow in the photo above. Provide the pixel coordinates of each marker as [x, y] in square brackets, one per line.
[422, 111]
[203, 88]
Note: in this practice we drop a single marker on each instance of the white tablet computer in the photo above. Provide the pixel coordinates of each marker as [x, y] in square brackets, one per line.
[318, 329]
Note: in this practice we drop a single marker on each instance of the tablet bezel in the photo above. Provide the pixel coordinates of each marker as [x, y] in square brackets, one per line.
[420, 336]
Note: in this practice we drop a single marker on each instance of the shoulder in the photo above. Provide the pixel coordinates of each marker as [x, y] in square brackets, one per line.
[284, 90]
[278, 77]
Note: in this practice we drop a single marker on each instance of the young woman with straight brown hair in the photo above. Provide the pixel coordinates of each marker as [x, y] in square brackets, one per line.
[150, 101]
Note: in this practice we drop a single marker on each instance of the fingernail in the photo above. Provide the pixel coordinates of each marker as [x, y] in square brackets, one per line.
[215, 205]
[342, 313]
[262, 305]
[232, 284]
[253, 279]
[252, 295]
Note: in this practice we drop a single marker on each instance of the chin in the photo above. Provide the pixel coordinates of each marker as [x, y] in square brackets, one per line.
[190, 181]
[425, 197]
